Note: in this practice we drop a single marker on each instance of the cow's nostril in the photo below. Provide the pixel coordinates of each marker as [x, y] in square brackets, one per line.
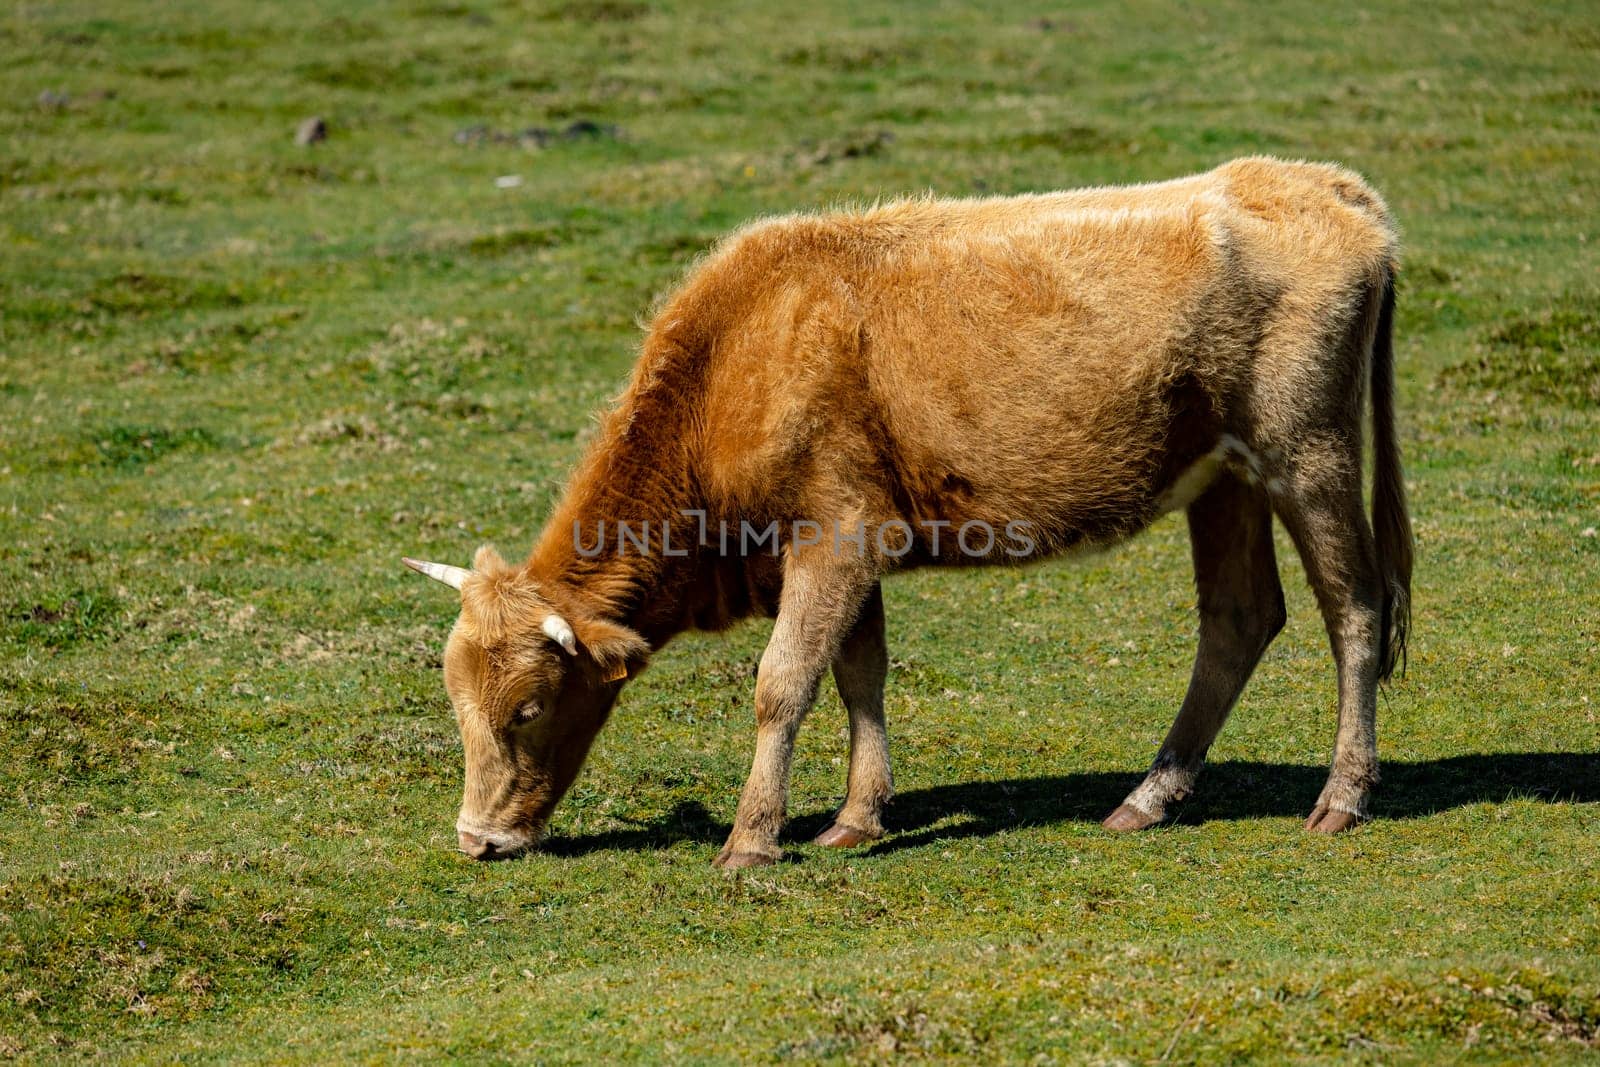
[480, 847]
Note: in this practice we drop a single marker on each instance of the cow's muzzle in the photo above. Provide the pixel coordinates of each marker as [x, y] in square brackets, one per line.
[492, 846]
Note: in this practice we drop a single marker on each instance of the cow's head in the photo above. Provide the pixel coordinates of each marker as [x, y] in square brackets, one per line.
[531, 685]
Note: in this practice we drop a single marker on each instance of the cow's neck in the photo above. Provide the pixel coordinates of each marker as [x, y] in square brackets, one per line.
[639, 471]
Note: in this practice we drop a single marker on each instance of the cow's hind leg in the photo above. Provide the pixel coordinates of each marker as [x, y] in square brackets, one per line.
[859, 671]
[1241, 611]
[1320, 504]
[823, 594]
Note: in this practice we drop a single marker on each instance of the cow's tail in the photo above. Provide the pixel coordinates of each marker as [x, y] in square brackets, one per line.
[1391, 521]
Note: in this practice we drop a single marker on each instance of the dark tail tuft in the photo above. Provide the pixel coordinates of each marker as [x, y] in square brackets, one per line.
[1391, 521]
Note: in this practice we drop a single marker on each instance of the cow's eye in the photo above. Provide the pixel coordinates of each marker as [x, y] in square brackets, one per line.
[530, 711]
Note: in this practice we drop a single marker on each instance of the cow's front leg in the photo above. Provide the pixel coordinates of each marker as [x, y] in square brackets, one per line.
[859, 671]
[822, 596]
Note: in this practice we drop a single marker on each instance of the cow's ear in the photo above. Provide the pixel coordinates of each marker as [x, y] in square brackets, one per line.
[616, 650]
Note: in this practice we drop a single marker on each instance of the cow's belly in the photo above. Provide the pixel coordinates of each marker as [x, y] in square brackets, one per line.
[1080, 450]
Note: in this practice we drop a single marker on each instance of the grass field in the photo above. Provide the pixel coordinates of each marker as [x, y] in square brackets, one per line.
[240, 377]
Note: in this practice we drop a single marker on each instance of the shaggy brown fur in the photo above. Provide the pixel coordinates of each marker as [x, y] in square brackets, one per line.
[1079, 362]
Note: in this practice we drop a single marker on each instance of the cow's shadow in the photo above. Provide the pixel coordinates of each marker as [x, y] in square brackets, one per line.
[1227, 791]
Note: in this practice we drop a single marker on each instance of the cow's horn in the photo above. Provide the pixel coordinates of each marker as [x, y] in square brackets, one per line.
[559, 630]
[439, 572]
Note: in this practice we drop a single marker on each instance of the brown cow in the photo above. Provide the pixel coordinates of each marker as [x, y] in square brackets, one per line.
[1023, 375]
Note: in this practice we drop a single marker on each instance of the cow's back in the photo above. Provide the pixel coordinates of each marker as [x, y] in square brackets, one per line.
[1024, 357]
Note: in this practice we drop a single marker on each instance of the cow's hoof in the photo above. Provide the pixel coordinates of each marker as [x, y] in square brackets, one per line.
[839, 835]
[1127, 819]
[729, 861]
[1325, 820]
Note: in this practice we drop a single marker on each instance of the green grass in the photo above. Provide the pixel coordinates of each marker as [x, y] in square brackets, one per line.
[239, 378]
